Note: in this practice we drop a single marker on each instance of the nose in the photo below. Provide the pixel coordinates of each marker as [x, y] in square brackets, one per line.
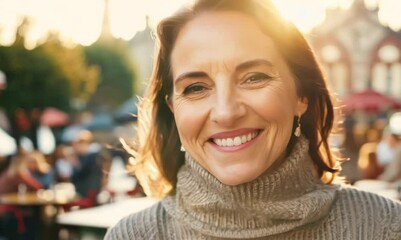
[228, 108]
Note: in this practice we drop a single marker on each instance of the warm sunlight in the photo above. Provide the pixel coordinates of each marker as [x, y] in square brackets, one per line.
[81, 22]
[389, 14]
[129, 16]
[124, 18]
[74, 20]
[307, 14]
[343, 4]
[304, 14]
[9, 20]
[371, 4]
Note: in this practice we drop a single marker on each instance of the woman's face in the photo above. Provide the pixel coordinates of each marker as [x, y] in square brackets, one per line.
[31, 162]
[234, 98]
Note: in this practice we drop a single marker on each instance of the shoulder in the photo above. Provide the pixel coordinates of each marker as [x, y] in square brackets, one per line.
[368, 208]
[144, 224]
[352, 194]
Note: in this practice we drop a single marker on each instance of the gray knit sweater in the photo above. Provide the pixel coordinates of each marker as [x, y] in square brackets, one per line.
[289, 202]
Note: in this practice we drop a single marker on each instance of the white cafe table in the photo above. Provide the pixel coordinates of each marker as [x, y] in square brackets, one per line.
[104, 216]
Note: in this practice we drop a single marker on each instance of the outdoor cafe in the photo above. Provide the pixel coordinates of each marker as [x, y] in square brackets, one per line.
[54, 219]
[35, 211]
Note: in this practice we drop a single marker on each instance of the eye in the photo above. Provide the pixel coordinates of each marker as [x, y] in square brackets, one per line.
[194, 89]
[256, 78]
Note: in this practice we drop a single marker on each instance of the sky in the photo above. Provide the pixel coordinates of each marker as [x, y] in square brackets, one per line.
[80, 22]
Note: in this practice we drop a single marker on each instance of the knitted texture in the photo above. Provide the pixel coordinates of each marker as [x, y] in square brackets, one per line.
[289, 202]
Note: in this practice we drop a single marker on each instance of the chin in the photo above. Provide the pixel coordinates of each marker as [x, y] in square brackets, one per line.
[235, 179]
[239, 173]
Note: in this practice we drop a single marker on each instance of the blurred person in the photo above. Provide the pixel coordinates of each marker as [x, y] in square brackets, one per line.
[87, 172]
[392, 170]
[233, 136]
[21, 222]
[40, 169]
[368, 157]
[385, 148]
[368, 163]
[18, 173]
[65, 159]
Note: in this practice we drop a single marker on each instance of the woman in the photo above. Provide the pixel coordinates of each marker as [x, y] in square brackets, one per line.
[17, 175]
[240, 90]
[40, 169]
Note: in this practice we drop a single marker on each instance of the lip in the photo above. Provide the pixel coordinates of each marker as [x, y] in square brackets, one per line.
[238, 132]
[232, 134]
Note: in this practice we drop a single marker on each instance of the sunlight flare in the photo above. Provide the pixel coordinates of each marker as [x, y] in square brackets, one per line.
[81, 22]
[304, 14]
[389, 14]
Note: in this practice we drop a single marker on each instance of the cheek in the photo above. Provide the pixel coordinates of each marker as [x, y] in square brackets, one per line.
[274, 105]
[190, 119]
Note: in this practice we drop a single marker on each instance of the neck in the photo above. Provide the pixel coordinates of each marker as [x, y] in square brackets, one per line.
[287, 196]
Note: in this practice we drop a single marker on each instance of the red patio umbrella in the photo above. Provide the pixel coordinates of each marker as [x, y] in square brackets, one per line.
[370, 101]
[53, 117]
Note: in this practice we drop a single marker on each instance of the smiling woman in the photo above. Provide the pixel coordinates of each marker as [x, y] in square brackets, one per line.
[233, 133]
[232, 95]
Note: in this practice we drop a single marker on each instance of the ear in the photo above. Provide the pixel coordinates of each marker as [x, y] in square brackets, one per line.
[302, 105]
[169, 103]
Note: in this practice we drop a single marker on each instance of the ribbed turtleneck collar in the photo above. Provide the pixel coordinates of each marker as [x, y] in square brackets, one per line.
[277, 201]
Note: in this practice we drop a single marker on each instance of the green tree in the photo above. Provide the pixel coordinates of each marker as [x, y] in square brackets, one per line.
[82, 78]
[117, 73]
[48, 75]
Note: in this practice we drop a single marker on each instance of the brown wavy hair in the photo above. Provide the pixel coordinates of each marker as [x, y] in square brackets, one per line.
[157, 156]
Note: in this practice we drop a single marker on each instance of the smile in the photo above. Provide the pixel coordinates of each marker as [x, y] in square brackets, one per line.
[235, 141]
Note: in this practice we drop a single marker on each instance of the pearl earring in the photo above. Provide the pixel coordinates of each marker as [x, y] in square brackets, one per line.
[297, 131]
[182, 149]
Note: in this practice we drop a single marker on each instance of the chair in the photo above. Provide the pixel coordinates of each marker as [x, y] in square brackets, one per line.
[85, 202]
[19, 215]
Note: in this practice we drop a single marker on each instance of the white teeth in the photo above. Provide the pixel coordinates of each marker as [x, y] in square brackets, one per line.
[249, 137]
[236, 141]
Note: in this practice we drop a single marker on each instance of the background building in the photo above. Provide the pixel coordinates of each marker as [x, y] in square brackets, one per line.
[358, 52]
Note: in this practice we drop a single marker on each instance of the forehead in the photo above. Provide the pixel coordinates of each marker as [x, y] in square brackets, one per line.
[223, 35]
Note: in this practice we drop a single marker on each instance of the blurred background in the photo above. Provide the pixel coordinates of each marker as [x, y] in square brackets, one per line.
[71, 73]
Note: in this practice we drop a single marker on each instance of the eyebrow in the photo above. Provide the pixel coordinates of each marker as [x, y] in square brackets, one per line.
[190, 75]
[239, 67]
[253, 63]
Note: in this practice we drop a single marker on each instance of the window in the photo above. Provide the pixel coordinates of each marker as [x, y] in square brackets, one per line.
[336, 69]
[386, 73]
